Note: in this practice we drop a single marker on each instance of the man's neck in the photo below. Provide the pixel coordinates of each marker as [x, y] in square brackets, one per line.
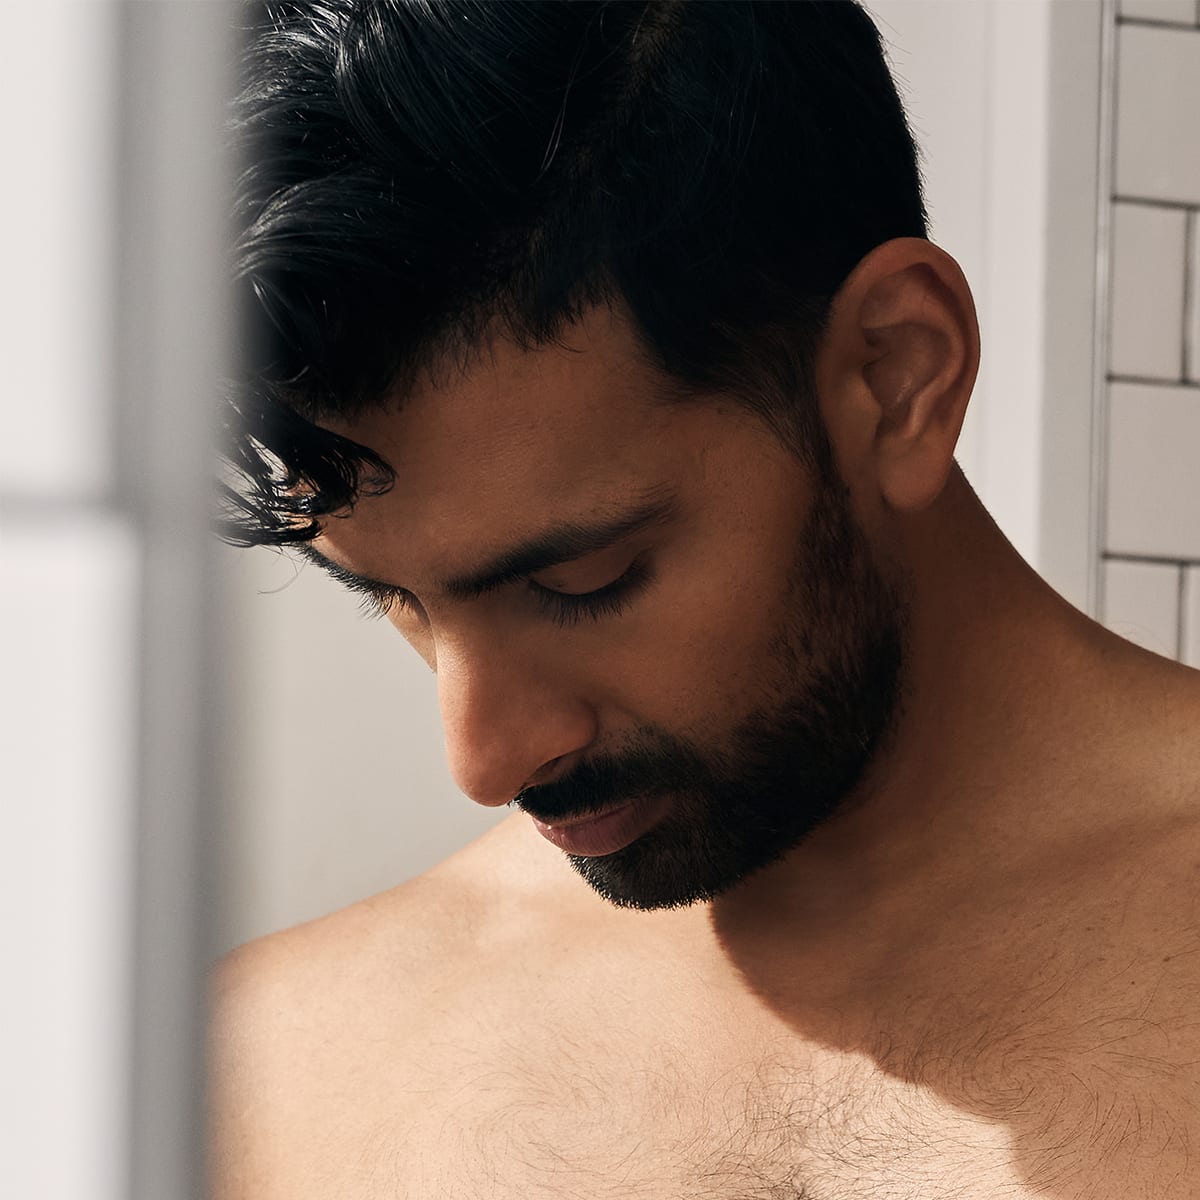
[996, 762]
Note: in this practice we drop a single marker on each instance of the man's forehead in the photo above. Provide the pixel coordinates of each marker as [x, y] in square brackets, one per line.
[523, 443]
[529, 425]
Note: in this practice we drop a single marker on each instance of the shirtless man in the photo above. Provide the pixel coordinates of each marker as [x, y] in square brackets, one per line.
[849, 861]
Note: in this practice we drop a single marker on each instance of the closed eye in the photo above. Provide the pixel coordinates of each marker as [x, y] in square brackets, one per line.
[564, 608]
[569, 608]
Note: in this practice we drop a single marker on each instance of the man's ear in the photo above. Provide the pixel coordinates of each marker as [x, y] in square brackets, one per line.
[896, 368]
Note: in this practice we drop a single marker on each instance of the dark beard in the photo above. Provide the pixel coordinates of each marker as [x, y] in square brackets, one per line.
[837, 662]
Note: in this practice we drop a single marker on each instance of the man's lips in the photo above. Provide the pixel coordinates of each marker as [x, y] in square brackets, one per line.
[606, 832]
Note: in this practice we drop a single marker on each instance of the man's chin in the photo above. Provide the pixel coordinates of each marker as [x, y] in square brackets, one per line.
[671, 866]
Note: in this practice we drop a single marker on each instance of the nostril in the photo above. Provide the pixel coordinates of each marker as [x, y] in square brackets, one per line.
[549, 771]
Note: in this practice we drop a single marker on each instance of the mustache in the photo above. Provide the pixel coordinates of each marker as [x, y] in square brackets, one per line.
[602, 783]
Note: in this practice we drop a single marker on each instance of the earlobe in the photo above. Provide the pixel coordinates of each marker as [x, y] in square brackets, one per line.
[919, 350]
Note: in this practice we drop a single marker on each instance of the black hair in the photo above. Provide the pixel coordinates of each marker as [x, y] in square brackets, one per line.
[418, 174]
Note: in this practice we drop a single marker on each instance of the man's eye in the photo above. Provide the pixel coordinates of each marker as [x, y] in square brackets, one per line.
[566, 608]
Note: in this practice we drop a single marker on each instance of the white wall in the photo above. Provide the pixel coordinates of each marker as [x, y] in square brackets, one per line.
[951, 100]
[1004, 97]
[112, 219]
[323, 818]
[338, 781]
[68, 594]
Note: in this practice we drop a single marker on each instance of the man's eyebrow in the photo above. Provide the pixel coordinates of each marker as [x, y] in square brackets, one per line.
[561, 543]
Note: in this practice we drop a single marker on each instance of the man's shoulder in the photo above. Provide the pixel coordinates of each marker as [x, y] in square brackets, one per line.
[393, 944]
[296, 1015]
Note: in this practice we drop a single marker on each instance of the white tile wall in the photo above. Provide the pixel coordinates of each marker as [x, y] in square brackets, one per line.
[1153, 471]
[1148, 291]
[1180, 11]
[1191, 617]
[1158, 99]
[1141, 603]
[1192, 321]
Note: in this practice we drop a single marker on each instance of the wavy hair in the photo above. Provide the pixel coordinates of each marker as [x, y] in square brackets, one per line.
[420, 174]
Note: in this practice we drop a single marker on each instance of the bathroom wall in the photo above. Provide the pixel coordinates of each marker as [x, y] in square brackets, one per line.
[113, 217]
[1149, 473]
[69, 587]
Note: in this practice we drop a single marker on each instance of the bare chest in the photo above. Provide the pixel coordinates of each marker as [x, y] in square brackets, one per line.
[1061, 1076]
[674, 1129]
[683, 1120]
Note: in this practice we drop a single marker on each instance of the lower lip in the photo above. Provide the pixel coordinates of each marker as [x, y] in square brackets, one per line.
[606, 834]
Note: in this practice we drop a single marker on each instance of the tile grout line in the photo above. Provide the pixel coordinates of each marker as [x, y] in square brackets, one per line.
[1187, 206]
[1190, 287]
[1181, 614]
[1154, 381]
[1157, 22]
[1106, 172]
[1157, 560]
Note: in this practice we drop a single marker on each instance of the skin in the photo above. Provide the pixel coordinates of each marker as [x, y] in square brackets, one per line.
[946, 914]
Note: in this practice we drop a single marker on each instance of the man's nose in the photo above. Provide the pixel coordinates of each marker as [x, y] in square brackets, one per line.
[508, 723]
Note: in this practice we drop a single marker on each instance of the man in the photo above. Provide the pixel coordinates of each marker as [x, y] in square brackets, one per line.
[601, 348]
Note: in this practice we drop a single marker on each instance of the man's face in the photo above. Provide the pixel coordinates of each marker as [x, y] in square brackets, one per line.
[730, 664]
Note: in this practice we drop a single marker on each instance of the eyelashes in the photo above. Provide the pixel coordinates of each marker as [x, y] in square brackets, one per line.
[563, 608]
[378, 602]
[374, 601]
